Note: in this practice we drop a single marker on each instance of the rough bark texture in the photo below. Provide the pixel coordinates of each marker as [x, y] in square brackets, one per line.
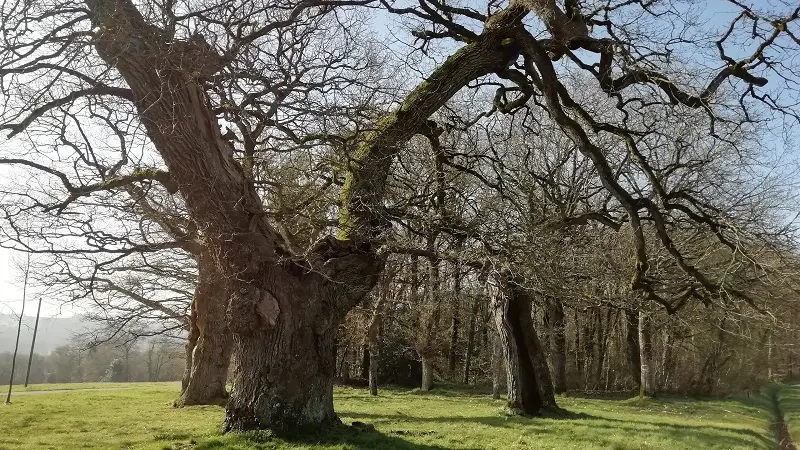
[286, 380]
[530, 389]
[211, 352]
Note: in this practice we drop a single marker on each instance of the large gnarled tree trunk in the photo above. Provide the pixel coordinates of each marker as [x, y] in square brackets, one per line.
[283, 308]
[530, 389]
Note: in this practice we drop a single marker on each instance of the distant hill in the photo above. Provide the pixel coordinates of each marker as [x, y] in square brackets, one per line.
[53, 332]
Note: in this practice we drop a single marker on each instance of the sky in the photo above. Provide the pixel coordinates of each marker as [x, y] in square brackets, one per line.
[10, 277]
[11, 290]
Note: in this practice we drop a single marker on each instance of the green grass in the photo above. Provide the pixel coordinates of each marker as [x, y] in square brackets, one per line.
[76, 386]
[789, 403]
[143, 418]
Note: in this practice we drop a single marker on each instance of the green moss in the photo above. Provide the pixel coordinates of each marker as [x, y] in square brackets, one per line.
[152, 173]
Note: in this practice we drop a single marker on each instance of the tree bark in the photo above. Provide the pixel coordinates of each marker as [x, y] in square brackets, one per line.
[211, 352]
[371, 340]
[632, 346]
[283, 377]
[645, 355]
[430, 311]
[497, 367]
[365, 361]
[530, 389]
[191, 342]
[558, 344]
[470, 340]
[374, 361]
[455, 325]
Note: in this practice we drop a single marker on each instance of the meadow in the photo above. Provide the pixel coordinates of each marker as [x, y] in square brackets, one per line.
[141, 416]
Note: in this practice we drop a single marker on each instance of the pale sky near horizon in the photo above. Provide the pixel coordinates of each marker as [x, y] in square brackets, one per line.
[11, 291]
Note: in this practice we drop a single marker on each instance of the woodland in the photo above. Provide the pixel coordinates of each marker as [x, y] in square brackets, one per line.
[539, 196]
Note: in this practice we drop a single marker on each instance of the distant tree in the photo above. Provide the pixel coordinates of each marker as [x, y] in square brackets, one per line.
[116, 371]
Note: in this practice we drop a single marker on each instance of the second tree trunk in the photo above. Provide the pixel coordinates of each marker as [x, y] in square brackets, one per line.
[530, 389]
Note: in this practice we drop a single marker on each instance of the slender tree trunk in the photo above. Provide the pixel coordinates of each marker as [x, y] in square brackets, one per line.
[374, 361]
[558, 344]
[470, 340]
[27, 270]
[344, 364]
[645, 356]
[365, 361]
[429, 323]
[530, 389]
[498, 375]
[371, 340]
[770, 356]
[33, 341]
[603, 331]
[632, 346]
[211, 353]
[191, 342]
[455, 308]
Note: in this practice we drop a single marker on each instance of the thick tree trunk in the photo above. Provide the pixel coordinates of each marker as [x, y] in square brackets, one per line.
[646, 387]
[211, 354]
[558, 345]
[530, 389]
[283, 378]
[632, 346]
[284, 345]
[283, 308]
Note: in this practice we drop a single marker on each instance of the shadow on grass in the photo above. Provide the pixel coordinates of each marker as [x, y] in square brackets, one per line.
[341, 436]
[709, 434]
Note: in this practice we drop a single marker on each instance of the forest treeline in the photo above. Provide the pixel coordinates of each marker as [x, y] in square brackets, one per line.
[145, 361]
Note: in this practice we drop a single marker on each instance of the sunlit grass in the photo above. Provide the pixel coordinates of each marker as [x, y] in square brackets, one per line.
[143, 418]
[789, 397]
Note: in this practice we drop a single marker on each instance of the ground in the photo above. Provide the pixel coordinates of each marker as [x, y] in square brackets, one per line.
[141, 416]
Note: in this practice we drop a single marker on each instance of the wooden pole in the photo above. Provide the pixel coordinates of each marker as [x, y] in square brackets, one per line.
[19, 329]
[33, 342]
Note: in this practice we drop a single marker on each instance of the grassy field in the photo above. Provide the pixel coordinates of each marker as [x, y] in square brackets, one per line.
[143, 418]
